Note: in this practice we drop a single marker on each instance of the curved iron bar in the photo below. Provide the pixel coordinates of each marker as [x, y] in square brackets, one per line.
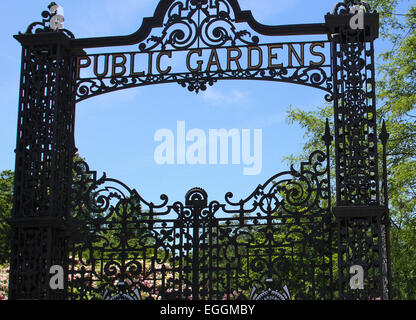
[314, 77]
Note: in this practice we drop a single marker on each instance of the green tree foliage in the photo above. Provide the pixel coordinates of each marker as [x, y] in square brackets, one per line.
[397, 102]
[6, 203]
[398, 95]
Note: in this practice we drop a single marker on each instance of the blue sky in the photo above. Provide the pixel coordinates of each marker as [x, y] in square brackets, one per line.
[114, 132]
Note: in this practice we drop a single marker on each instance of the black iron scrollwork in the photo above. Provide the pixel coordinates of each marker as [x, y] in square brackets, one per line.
[199, 23]
[203, 249]
[196, 82]
[122, 247]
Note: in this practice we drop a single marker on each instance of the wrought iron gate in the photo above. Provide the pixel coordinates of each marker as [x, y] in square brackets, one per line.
[125, 247]
[278, 242]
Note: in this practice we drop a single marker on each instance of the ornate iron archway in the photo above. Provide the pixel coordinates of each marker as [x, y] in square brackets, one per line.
[59, 219]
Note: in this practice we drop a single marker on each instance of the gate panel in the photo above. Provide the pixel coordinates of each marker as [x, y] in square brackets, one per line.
[279, 238]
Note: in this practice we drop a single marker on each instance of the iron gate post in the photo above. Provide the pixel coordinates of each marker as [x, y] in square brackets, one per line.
[43, 172]
[360, 209]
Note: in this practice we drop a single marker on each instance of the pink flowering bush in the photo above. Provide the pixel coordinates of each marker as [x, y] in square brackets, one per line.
[4, 282]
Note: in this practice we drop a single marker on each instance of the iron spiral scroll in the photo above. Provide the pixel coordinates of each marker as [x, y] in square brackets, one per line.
[199, 23]
[202, 249]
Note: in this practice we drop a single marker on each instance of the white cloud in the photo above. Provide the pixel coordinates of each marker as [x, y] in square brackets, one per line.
[220, 98]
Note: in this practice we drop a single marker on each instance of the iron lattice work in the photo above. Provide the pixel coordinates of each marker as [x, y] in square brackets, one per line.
[355, 117]
[44, 154]
[196, 25]
[275, 244]
[361, 208]
[201, 249]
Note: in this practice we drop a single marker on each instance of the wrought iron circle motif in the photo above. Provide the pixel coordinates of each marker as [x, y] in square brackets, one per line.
[196, 197]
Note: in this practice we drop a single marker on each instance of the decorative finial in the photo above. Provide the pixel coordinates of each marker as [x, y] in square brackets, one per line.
[327, 138]
[53, 21]
[384, 135]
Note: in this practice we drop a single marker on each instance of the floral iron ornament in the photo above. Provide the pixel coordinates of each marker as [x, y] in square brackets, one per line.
[53, 21]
